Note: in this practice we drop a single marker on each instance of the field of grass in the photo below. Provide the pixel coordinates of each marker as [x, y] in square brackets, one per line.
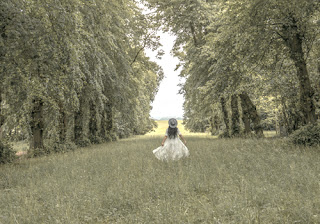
[163, 125]
[223, 181]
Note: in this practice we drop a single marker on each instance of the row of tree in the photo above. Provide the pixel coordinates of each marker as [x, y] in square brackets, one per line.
[248, 64]
[74, 71]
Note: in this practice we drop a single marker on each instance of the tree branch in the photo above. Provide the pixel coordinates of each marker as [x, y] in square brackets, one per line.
[144, 45]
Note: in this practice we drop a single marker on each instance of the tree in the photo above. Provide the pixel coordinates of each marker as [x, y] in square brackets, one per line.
[75, 71]
[250, 48]
[274, 28]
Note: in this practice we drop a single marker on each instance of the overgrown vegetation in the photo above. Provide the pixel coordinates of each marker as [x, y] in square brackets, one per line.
[223, 181]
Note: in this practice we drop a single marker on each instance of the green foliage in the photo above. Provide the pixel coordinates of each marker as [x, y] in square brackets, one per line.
[308, 135]
[7, 155]
[84, 62]
[260, 47]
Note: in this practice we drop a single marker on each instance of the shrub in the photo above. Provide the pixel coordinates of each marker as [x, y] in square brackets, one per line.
[308, 135]
[224, 135]
[96, 140]
[7, 155]
[62, 147]
[83, 142]
[110, 137]
[52, 147]
[38, 152]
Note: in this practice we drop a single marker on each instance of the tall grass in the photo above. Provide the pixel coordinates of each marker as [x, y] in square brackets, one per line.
[223, 181]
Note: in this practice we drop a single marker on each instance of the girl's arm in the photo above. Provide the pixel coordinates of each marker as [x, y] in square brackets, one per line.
[185, 142]
[164, 139]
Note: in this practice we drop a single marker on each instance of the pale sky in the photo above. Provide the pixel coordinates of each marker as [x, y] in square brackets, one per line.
[167, 103]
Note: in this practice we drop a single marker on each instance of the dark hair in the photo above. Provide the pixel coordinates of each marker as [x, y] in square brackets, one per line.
[172, 132]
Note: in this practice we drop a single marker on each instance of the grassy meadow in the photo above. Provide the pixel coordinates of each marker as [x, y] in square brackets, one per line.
[163, 125]
[223, 181]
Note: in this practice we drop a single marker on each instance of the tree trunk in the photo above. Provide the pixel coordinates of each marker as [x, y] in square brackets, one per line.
[109, 117]
[212, 129]
[78, 123]
[214, 125]
[245, 116]
[93, 126]
[235, 116]
[195, 41]
[36, 125]
[62, 124]
[77, 126]
[82, 120]
[225, 116]
[293, 39]
[284, 125]
[103, 131]
[252, 113]
[2, 119]
[2, 56]
[106, 127]
[109, 125]
[81, 127]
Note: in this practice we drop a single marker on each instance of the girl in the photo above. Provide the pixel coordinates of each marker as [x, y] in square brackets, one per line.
[172, 147]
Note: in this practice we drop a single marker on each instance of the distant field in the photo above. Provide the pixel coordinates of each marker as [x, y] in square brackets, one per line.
[163, 125]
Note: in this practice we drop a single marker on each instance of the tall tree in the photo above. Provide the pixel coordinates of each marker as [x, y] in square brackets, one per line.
[237, 47]
[75, 70]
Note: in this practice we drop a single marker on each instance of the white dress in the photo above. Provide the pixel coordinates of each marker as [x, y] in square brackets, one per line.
[173, 149]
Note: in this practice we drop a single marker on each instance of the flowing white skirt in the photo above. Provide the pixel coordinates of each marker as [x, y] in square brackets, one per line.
[173, 149]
